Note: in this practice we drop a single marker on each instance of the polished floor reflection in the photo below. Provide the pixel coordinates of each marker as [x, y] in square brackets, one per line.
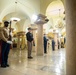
[52, 63]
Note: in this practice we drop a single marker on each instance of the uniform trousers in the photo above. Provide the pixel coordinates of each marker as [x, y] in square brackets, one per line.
[29, 44]
[4, 53]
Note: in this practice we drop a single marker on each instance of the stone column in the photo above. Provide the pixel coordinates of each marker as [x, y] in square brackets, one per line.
[56, 40]
[40, 21]
[23, 42]
[40, 47]
[70, 37]
[18, 42]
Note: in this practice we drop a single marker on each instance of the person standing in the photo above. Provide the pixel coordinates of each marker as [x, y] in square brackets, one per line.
[5, 47]
[53, 44]
[30, 40]
[45, 43]
[58, 44]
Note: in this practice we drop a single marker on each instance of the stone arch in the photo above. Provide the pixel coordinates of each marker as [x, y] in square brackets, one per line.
[29, 10]
[54, 10]
[44, 7]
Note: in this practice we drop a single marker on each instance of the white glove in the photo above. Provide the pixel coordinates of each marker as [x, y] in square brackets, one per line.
[10, 42]
[10, 33]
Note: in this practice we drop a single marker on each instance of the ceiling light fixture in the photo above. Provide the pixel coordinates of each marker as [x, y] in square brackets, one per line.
[15, 18]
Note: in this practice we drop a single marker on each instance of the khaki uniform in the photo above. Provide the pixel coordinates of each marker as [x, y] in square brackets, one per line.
[5, 47]
[29, 48]
[4, 34]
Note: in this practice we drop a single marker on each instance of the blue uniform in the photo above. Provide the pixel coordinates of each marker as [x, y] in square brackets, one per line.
[45, 44]
[53, 45]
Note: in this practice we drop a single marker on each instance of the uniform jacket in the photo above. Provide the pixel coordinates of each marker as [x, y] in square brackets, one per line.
[29, 36]
[4, 34]
[45, 40]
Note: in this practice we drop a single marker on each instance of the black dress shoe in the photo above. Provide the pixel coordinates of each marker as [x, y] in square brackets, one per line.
[45, 52]
[30, 57]
[3, 66]
[7, 65]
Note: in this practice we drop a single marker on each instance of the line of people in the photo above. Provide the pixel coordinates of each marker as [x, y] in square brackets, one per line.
[6, 43]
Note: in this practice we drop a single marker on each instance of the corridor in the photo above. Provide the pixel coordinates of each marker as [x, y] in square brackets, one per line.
[52, 63]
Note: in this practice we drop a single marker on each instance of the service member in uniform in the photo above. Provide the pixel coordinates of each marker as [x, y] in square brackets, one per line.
[45, 43]
[4, 36]
[30, 40]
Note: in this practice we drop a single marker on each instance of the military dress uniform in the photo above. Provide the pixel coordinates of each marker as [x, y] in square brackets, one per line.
[5, 47]
[45, 44]
[29, 37]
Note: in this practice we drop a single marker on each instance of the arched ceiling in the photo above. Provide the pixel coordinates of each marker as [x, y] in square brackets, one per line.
[55, 9]
[44, 4]
[55, 14]
[23, 9]
[25, 6]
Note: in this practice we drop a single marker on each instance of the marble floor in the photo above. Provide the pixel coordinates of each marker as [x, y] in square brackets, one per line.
[52, 63]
